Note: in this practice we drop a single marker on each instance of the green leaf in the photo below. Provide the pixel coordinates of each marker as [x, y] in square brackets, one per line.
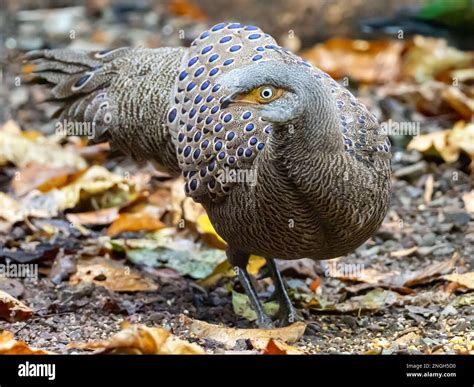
[242, 307]
[196, 264]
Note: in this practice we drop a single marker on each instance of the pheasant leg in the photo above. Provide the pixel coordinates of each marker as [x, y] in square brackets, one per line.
[239, 261]
[287, 313]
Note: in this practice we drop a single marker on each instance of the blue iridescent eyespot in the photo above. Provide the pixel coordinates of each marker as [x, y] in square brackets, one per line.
[180, 137]
[198, 99]
[248, 152]
[260, 146]
[82, 81]
[260, 48]
[246, 115]
[183, 75]
[228, 62]
[199, 71]
[203, 172]
[240, 151]
[193, 61]
[211, 166]
[257, 57]
[196, 153]
[216, 88]
[215, 109]
[221, 155]
[249, 127]
[191, 85]
[231, 160]
[348, 141]
[193, 184]
[230, 136]
[187, 151]
[204, 35]
[192, 113]
[203, 109]
[189, 127]
[172, 115]
[234, 25]
[213, 58]
[253, 141]
[197, 136]
[254, 36]
[208, 120]
[225, 39]
[209, 98]
[251, 28]
[218, 145]
[235, 48]
[205, 144]
[218, 27]
[206, 49]
[205, 85]
[213, 72]
[227, 117]
[218, 128]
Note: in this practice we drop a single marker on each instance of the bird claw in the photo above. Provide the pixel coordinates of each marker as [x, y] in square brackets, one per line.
[265, 322]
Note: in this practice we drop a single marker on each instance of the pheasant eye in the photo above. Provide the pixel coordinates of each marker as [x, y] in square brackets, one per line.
[266, 93]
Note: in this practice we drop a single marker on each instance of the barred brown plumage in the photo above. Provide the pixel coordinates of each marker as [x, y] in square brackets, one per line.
[287, 163]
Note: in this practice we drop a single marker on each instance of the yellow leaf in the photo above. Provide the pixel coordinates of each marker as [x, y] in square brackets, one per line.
[12, 309]
[143, 340]
[112, 275]
[9, 346]
[206, 229]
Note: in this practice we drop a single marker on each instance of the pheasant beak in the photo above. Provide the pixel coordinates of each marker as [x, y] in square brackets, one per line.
[229, 100]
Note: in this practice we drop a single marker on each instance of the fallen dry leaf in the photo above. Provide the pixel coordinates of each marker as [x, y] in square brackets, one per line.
[134, 222]
[9, 346]
[41, 177]
[364, 61]
[209, 234]
[429, 273]
[468, 199]
[20, 150]
[12, 309]
[275, 347]
[99, 217]
[229, 336]
[426, 57]
[112, 275]
[466, 279]
[142, 340]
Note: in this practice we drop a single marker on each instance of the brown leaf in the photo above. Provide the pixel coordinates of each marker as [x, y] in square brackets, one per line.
[275, 347]
[9, 346]
[112, 275]
[134, 222]
[99, 217]
[426, 57]
[41, 177]
[364, 61]
[430, 272]
[142, 340]
[229, 336]
[466, 279]
[12, 309]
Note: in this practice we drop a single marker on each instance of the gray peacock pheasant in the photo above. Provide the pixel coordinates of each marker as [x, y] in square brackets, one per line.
[287, 163]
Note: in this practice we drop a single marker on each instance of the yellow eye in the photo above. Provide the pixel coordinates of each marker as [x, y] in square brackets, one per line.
[261, 95]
